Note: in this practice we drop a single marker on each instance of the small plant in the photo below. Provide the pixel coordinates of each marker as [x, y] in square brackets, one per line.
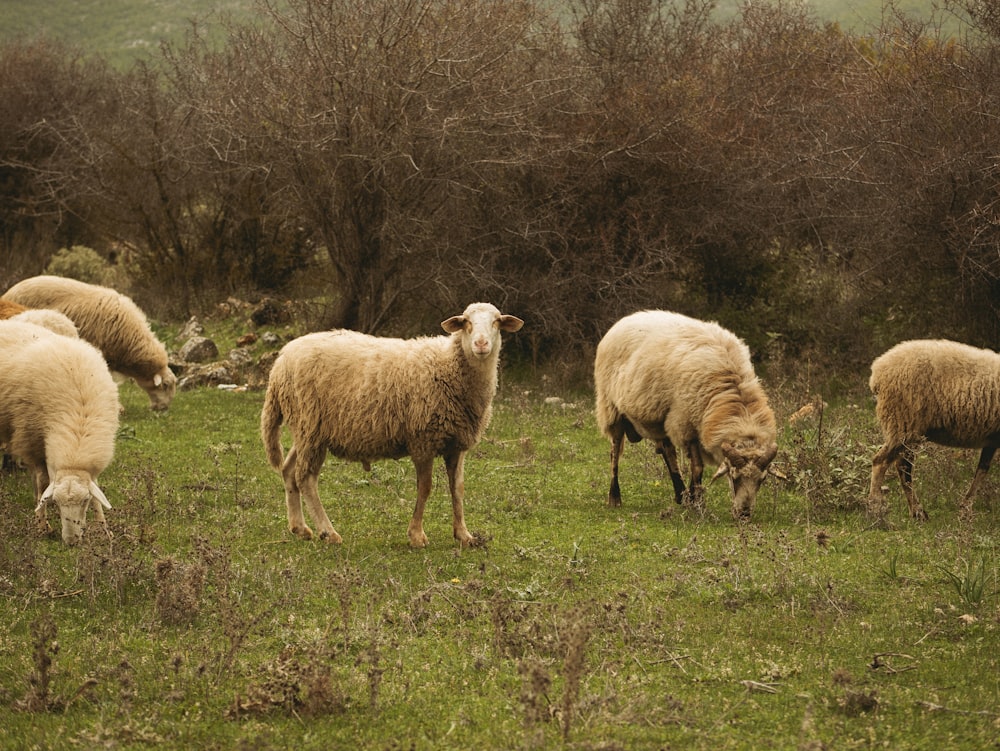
[535, 685]
[970, 584]
[575, 635]
[43, 635]
[81, 263]
[179, 589]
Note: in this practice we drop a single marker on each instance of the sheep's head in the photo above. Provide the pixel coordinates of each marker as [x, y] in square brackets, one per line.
[481, 324]
[74, 493]
[160, 388]
[745, 464]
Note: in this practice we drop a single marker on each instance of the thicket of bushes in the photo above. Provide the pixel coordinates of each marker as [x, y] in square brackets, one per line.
[823, 193]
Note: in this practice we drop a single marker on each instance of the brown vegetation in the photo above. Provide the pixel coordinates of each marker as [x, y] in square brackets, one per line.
[822, 192]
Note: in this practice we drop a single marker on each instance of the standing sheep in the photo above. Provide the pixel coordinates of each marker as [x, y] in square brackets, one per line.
[941, 391]
[112, 323]
[364, 398]
[59, 415]
[684, 383]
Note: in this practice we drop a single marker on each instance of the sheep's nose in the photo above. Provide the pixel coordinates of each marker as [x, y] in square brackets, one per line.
[481, 346]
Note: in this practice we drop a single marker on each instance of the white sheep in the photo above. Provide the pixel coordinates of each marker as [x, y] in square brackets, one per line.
[942, 391]
[689, 384]
[52, 320]
[364, 398]
[59, 415]
[112, 323]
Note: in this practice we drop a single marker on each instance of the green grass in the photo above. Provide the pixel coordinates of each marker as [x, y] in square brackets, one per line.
[204, 624]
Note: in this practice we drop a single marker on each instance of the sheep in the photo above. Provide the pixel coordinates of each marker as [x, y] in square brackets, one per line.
[364, 398]
[52, 320]
[9, 309]
[59, 415]
[112, 323]
[685, 384]
[936, 390]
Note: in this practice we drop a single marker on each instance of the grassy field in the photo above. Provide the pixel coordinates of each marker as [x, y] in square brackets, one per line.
[202, 623]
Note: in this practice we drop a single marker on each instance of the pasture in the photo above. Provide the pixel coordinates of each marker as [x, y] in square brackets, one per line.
[203, 623]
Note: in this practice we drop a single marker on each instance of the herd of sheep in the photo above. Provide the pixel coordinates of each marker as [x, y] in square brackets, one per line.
[684, 384]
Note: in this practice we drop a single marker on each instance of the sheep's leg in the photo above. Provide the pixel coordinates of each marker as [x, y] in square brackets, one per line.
[985, 458]
[906, 457]
[884, 458]
[455, 464]
[305, 482]
[696, 492]
[617, 443]
[666, 449]
[41, 480]
[293, 498]
[415, 531]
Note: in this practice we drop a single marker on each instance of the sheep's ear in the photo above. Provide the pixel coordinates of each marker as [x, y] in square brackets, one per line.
[510, 323]
[157, 380]
[453, 324]
[48, 493]
[99, 495]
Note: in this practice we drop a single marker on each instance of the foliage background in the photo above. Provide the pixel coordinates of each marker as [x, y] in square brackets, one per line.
[823, 189]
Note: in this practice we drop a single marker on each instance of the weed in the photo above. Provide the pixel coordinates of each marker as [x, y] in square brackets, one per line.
[179, 589]
[970, 584]
[294, 683]
[574, 636]
[43, 636]
[534, 697]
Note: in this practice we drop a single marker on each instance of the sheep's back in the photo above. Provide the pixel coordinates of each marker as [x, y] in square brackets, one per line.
[57, 399]
[110, 321]
[656, 363]
[944, 390]
[370, 397]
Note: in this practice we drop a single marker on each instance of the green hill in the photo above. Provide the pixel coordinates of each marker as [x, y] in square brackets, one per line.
[121, 30]
[126, 30]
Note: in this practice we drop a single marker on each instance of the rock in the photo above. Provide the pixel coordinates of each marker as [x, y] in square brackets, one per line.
[198, 349]
[240, 358]
[269, 312]
[191, 328]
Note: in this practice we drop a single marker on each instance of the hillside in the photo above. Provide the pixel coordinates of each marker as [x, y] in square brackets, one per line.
[126, 30]
[122, 30]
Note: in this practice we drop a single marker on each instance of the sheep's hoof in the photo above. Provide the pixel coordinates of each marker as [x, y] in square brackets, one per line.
[417, 539]
[304, 532]
[331, 537]
[463, 536]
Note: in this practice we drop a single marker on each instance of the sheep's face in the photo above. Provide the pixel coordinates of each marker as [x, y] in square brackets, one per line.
[746, 467]
[74, 494]
[481, 324]
[160, 389]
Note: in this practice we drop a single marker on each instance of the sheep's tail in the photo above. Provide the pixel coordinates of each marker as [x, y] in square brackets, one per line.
[270, 428]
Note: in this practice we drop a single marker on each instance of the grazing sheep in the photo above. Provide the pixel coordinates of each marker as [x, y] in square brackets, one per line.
[59, 415]
[684, 383]
[941, 391]
[112, 323]
[364, 398]
[52, 320]
[9, 309]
